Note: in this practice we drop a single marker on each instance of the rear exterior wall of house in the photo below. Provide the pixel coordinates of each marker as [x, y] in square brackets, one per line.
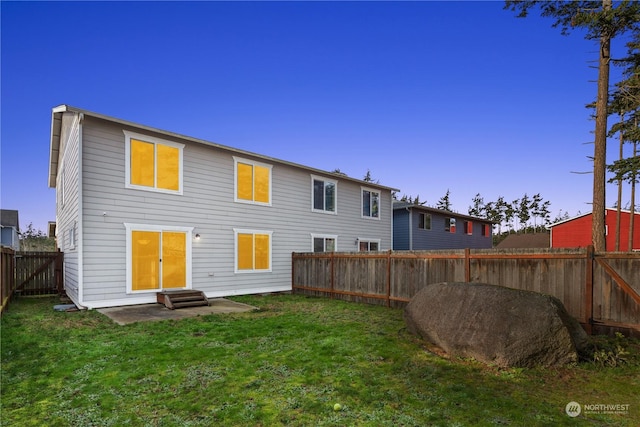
[205, 205]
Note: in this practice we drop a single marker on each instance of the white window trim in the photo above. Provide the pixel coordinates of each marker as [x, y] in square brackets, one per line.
[237, 231]
[430, 221]
[153, 140]
[368, 240]
[325, 180]
[324, 236]
[467, 232]
[72, 237]
[371, 190]
[159, 228]
[237, 160]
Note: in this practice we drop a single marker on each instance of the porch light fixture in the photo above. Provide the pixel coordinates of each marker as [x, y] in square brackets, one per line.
[197, 237]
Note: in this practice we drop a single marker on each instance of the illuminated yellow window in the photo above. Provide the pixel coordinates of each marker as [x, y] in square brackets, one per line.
[253, 182]
[153, 163]
[145, 251]
[159, 257]
[253, 251]
[174, 255]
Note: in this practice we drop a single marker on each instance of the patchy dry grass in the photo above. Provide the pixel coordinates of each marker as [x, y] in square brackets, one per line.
[287, 364]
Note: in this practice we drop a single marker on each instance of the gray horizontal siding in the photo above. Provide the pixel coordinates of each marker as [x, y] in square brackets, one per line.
[439, 238]
[207, 203]
[68, 213]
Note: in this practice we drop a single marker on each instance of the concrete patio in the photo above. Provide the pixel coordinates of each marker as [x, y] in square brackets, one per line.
[154, 312]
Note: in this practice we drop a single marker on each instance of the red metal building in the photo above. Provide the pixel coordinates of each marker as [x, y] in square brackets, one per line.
[576, 232]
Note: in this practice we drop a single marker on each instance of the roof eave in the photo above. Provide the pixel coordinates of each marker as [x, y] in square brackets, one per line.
[54, 143]
[66, 108]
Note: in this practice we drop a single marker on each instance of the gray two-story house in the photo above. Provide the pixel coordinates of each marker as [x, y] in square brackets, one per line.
[142, 210]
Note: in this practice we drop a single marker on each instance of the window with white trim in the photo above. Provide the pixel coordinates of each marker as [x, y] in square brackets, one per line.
[71, 241]
[252, 182]
[323, 195]
[468, 227]
[153, 164]
[424, 221]
[450, 225]
[370, 203]
[323, 243]
[368, 245]
[253, 251]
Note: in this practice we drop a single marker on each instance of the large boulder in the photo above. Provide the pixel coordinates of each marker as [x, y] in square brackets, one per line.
[496, 325]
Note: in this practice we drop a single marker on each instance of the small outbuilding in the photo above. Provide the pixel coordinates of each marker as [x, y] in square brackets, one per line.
[576, 232]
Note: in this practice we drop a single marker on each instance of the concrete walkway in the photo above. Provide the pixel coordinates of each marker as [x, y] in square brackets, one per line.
[150, 312]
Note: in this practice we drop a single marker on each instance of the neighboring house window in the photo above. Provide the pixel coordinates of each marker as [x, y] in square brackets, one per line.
[486, 232]
[370, 203]
[153, 164]
[366, 245]
[252, 181]
[324, 195]
[468, 227]
[424, 221]
[450, 225]
[323, 243]
[253, 251]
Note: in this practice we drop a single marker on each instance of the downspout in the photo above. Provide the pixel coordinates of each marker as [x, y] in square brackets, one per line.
[80, 235]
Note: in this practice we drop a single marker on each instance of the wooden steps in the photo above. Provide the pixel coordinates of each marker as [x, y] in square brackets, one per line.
[182, 299]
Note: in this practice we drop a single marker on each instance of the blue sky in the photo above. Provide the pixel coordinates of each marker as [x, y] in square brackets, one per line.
[428, 96]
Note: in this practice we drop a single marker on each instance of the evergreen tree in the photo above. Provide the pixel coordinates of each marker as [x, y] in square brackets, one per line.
[602, 21]
[445, 202]
[478, 206]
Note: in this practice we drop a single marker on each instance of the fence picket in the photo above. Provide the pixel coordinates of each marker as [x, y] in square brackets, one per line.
[577, 277]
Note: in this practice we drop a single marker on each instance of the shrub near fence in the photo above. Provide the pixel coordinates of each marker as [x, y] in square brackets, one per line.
[597, 289]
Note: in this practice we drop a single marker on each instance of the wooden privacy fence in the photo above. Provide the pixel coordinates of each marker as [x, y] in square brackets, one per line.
[601, 290]
[39, 273]
[7, 275]
[31, 273]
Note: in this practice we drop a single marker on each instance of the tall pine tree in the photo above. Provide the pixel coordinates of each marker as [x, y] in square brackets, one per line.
[602, 21]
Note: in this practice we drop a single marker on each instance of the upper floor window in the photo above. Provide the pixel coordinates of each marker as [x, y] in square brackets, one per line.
[324, 195]
[323, 243]
[450, 225]
[252, 182]
[370, 203]
[424, 221]
[468, 227]
[153, 164]
[486, 231]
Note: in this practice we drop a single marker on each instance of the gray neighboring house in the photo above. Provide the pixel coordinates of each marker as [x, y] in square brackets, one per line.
[417, 227]
[141, 210]
[10, 229]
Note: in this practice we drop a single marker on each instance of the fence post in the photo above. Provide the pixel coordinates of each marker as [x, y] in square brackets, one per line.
[389, 278]
[588, 291]
[467, 265]
[293, 273]
[332, 274]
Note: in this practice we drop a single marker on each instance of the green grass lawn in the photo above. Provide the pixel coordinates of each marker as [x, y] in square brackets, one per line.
[286, 364]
